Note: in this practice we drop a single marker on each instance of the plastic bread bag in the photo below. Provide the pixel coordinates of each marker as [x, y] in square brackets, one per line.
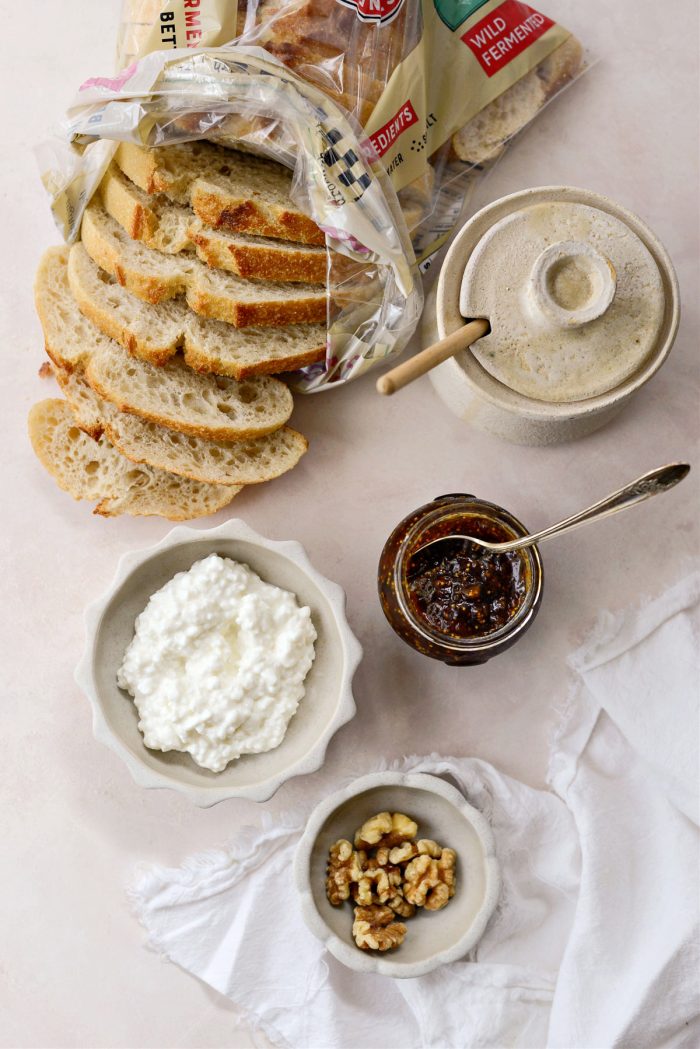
[249, 99]
[439, 86]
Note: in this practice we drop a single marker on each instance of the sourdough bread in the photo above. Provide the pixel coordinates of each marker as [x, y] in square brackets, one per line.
[154, 277]
[225, 188]
[173, 395]
[155, 333]
[86, 406]
[172, 228]
[153, 219]
[213, 462]
[69, 337]
[94, 470]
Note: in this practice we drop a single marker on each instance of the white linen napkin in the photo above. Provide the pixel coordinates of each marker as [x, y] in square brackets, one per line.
[594, 942]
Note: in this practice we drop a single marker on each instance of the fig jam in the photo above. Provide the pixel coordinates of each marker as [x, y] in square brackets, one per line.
[460, 589]
[455, 601]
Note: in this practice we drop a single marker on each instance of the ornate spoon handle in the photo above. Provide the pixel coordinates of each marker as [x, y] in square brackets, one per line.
[649, 484]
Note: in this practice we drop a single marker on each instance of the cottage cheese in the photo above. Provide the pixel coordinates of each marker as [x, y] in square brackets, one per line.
[218, 662]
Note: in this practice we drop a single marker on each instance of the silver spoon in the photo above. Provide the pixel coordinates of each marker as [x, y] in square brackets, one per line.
[652, 483]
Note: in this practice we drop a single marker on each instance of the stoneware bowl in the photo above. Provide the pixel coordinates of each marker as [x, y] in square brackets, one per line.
[327, 704]
[442, 814]
[479, 399]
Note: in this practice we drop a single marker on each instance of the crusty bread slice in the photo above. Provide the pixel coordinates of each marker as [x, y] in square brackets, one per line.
[153, 219]
[69, 337]
[154, 333]
[86, 406]
[154, 277]
[259, 258]
[89, 469]
[226, 189]
[173, 395]
[213, 462]
[484, 138]
[172, 228]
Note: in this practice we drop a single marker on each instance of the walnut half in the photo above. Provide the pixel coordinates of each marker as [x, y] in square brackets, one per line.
[375, 929]
[344, 871]
[430, 882]
[386, 829]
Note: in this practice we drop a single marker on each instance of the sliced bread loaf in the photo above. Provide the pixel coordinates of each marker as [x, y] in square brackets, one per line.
[154, 277]
[172, 228]
[173, 395]
[226, 189]
[89, 469]
[155, 333]
[213, 462]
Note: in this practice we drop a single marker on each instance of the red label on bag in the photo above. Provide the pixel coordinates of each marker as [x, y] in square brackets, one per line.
[381, 11]
[505, 33]
[385, 136]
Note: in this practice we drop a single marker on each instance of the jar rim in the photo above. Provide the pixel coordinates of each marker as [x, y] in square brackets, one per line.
[465, 506]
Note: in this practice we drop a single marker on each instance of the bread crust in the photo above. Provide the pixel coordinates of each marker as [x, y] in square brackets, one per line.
[259, 261]
[240, 215]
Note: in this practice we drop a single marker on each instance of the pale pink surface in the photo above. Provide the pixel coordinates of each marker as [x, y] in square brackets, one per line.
[73, 822]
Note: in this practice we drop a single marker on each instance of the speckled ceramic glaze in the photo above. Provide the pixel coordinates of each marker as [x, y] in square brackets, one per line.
[477, 396]
[443, 814]
[327, 704]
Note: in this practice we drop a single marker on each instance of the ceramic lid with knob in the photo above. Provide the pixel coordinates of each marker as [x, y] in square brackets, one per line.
[574, 298]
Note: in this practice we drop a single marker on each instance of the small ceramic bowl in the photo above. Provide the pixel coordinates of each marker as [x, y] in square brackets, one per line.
[327, 704]
[442, 814]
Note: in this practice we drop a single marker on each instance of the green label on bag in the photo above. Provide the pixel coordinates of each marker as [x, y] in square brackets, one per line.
[454, 12]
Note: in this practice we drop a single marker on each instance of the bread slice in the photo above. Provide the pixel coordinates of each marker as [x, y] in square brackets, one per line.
[154, 220]
[87, 408]
[175, 396]
[154, 277]
[259, 258]
[172, 228]
[225, 188]
[69, 337]
[155, 333]
[89, 469]
[213, 462]
[484, 138]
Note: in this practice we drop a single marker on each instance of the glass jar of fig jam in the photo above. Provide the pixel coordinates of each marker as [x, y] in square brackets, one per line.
[455, 601]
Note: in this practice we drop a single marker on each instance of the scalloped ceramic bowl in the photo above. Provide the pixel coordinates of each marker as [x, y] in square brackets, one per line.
[327, 704]
[442, 813]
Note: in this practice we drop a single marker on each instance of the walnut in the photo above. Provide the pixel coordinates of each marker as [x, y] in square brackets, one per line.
[375, 929]
[400, 906]
[430, 882]
[410, 849]
[345, 867]
[443, 892]
[385, 830]
[377, 883]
